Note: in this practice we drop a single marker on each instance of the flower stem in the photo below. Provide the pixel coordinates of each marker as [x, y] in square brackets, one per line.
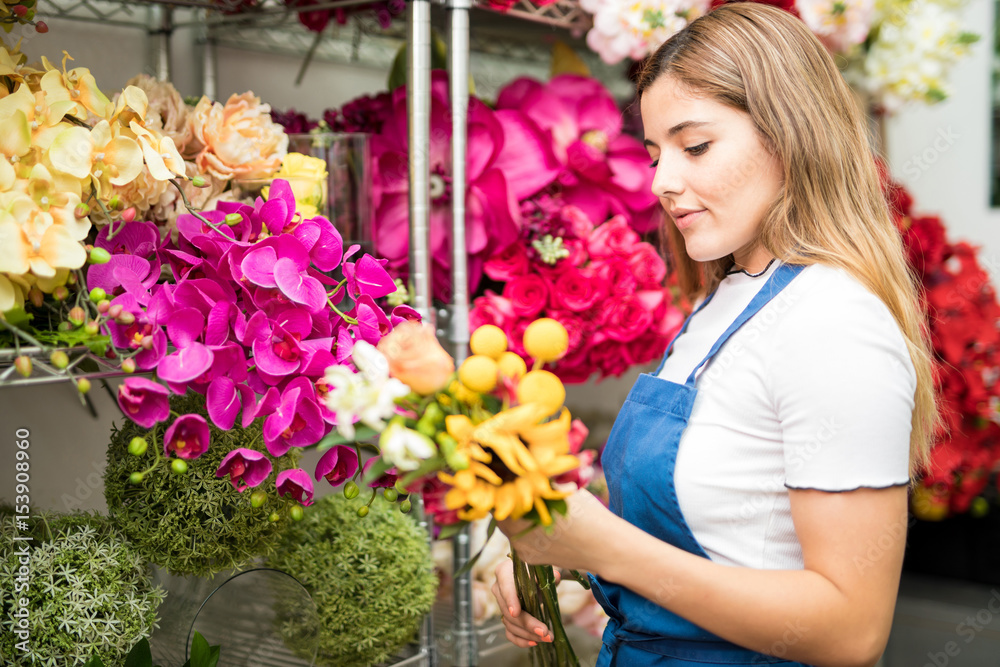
[194, 211]
[346, 318]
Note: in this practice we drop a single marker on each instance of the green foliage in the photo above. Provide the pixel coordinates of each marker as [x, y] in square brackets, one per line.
[193, 523]
[89, 593]
[202, 655]
[371, 578]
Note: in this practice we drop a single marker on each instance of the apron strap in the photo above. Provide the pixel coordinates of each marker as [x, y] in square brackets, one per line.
[683, 329]
[777, 282]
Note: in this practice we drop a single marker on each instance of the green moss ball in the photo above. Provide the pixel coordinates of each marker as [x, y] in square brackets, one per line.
[192, 523]
[88, 592]
[372, 578]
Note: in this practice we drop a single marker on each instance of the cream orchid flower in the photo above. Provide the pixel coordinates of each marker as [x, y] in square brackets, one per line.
[162, 158]
[102, 154]
[59, 198]
[77, 86]
[31, 241]
[11, 295]
[27, 120]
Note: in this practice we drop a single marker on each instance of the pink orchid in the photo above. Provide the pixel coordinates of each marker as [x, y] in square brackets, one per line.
[508, 159]
[188, 437]
[134, 266]
[192, 358]
[387, 479]
[295, 483]
[283, 262]
[297, 421]
[245, 467]
[605, 172]
[337, 465]
[143, 401]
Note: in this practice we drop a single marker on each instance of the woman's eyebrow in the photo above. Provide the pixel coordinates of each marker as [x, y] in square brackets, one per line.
[678, 128]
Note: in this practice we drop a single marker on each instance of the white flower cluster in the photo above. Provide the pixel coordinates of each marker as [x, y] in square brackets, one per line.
[918, 42]
[839, 24]
[368, 396]
[635, 28]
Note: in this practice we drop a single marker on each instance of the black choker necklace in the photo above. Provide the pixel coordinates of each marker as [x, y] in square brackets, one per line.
[752, 275]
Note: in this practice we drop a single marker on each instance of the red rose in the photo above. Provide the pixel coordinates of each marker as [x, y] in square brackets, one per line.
[646, 348]
[925, 243]
[509, 263]
[575, 290]
[614, 237]
[577, 221]
[615, 277]
[491, 308]
[647, 266]
[528, 295]
[625, 319]
[608, 357]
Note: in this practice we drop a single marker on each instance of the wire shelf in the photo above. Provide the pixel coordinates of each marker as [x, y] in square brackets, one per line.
[82, 364]
[561, 14]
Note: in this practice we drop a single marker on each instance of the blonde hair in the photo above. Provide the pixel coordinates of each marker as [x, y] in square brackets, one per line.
[762, 60]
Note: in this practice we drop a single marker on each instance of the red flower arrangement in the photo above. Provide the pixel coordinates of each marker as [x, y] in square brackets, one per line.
[962, 315]
[601, 282]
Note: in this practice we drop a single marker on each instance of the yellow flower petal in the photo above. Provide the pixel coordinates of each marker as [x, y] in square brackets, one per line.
[60, 250]
[13, 246]
[543, 512]
[10, 295]
[459, 427]
[71, 152]
[506, 500]
[15, 134]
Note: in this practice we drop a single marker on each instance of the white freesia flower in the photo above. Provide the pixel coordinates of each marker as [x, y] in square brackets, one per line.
[405, 448]
[635, 28]
[368, 396]
[840, 24]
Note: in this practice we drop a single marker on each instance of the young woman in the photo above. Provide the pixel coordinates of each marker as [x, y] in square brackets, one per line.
[758, 479]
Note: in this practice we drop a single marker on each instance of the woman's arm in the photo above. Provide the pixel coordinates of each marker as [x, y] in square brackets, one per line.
[836, 612]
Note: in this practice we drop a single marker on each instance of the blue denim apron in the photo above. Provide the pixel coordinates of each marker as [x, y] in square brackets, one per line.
[639, 460]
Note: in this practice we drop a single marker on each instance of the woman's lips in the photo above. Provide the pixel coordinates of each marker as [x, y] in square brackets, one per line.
[685, 221]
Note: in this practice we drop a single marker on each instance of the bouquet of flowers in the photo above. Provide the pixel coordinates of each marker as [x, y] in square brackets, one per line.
[962, 316]
[601, 282]
[895, 50]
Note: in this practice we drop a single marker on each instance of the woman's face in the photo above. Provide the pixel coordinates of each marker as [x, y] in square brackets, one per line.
[714, 175]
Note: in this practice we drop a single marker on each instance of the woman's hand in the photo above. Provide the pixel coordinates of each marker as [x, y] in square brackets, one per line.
[583, 539]
[523, 629]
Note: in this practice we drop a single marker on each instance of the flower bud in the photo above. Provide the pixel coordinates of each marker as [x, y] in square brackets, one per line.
[92, 328]
[179, 466]
[296, 512]
[64, 326]
[59, 359]
[76, 316]
[41, 27]
[137, 446]
[427, 428]
[274, 518]
[233, 219]
[81, 211]
[36, 297]
[23, 365]
[97, 295]
[126, 318]
[100, 256]
[257, 499]
[20, 11]
[401, 488]
[351, 490]
[115, 310]
[60, 293]
[363, 511]
[103, 306]
[135, 477]
[71, 279]
[199, 181]
[128, 215]
[390, 494]
[116, 203]
[405, 506]
[83, 385]
[128, 365]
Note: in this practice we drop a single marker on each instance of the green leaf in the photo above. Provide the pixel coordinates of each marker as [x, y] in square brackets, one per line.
[472, 561]
[19, 317]
[335, 438]
[213, 658]
[95, 662]
[201, 653]
[439, 60]
[432, 464]
[967, 38]
[140, 655]
[448, 532]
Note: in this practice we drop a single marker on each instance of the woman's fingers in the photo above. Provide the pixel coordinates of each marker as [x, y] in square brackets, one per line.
[505, 589]
[523, 629]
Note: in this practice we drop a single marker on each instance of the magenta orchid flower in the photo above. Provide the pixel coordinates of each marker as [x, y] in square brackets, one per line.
[387, 479]
[297, 421]
[295, 483]
[282, 262]
[134, 266]
[605, 171]
[245, 467]
[192, 357]
[337, 465]
[509, 158]
[143, 401]
[187, 438]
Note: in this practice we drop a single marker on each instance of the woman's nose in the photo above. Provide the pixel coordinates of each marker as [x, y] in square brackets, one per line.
[667, 179]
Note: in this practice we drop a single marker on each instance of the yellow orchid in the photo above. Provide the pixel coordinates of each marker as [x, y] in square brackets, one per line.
[31, 241]
[12, 65]
[132, 105]
[57, 196]
[76, 86]
[102, 154]
[27, 120]
[162, 158]
[11, 295]
[530, 454]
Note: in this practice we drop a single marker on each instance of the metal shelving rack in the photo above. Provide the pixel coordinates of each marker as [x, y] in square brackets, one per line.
[266, 24]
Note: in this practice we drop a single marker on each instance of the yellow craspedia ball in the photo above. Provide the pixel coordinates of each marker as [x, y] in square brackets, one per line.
[542, 387]
[546, 339]
[488, 340]
[478, 373]
[511, 365]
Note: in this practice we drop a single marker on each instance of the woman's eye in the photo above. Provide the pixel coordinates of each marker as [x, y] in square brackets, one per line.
[697, 150]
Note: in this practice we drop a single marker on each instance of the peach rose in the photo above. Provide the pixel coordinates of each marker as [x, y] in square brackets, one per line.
[237, 140]
[416, 358]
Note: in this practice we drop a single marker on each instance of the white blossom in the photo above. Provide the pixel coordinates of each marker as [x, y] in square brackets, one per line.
[405, 448]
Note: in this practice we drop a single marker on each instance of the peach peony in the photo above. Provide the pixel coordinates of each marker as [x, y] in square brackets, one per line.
[416, 358]
[236, 140]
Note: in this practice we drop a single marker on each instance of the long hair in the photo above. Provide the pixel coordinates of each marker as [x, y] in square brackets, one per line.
[763, 61]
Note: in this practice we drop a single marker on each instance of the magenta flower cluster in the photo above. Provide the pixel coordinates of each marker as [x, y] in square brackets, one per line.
[601, 282]
[250, 321]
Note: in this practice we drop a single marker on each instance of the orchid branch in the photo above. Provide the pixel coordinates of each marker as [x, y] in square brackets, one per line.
[196, 213]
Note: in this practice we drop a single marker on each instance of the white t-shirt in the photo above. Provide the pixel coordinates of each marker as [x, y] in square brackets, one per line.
[815, 391]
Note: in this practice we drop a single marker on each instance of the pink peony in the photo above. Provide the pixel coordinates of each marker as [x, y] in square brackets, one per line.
[528, 295]
[236, 140]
